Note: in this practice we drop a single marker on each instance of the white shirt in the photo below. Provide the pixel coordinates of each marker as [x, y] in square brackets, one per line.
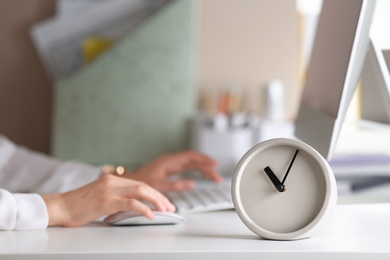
[24, 174]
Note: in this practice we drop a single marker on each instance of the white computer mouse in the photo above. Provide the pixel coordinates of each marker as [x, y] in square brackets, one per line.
[131, 218]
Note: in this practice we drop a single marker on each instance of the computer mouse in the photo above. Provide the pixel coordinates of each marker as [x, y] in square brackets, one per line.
[131, 218]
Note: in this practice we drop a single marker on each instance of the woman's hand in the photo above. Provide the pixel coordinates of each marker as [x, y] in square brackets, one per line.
[157, 173]
[105, 196]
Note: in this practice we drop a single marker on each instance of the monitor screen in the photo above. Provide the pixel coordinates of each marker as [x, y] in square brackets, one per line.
[337, 58]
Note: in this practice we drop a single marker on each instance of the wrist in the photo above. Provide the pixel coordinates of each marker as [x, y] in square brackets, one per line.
[54, 207]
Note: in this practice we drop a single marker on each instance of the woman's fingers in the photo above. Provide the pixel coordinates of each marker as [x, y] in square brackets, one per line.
[195, 161]
[135, 205]
[139, 200]
[177, 185]
[139, 190]
[206, 166]
[106, 196]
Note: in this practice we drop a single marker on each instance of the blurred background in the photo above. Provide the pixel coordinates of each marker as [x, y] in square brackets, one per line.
[83, 89]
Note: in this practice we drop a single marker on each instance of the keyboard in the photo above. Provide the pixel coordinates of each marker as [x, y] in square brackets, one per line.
[202, 198]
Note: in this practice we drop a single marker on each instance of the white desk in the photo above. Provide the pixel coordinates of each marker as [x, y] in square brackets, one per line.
[356, 232]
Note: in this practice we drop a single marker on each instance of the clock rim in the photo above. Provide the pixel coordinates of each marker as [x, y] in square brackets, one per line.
[320, 219]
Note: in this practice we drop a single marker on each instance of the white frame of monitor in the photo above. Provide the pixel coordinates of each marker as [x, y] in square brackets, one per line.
[319, 129]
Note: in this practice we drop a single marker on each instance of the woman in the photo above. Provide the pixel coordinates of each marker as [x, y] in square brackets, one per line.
[37, 191]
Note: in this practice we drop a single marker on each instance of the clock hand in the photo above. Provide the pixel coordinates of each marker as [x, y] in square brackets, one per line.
[275, 180]
[289, 167]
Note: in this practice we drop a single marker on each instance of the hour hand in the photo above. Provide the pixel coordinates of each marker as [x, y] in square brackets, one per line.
[275, 180]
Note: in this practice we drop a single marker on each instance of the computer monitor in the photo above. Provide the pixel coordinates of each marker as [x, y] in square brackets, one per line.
[336, 62]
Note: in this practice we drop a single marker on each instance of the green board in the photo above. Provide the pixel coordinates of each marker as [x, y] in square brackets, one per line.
[135, 101]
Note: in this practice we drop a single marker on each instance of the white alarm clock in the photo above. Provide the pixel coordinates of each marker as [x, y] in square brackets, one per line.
[283, 189]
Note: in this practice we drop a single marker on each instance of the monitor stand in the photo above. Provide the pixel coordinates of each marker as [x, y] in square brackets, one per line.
[375, 88]
[373, 169]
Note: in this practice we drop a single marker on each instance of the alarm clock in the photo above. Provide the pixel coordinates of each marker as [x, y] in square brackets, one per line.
[283, 189]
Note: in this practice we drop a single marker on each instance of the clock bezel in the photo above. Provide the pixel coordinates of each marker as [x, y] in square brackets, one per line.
[328, 204]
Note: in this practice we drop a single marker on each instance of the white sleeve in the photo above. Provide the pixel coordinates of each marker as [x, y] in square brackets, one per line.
[22, 211]
[25, 171]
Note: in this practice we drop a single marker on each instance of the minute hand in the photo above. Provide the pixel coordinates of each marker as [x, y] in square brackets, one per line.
[289, 167]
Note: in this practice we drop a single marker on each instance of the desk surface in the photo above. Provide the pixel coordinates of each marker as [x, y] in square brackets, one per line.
[357, 231]
[360, 231]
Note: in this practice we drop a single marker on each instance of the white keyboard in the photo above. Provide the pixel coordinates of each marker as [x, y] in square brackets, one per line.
[202, 199]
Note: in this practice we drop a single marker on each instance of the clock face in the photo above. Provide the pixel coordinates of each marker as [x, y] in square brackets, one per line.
[282, 188]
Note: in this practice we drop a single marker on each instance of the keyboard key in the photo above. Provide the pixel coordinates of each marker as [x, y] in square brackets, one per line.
[201, 199]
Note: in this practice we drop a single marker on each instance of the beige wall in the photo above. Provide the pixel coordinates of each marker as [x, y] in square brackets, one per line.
[25, 91]
[241, 42]
[246, 44]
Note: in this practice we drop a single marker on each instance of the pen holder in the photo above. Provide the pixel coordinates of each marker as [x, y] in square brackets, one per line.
[225, 146]
[227, 138]
[268, 129]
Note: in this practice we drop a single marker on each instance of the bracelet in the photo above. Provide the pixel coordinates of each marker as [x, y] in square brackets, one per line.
[114, 170]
